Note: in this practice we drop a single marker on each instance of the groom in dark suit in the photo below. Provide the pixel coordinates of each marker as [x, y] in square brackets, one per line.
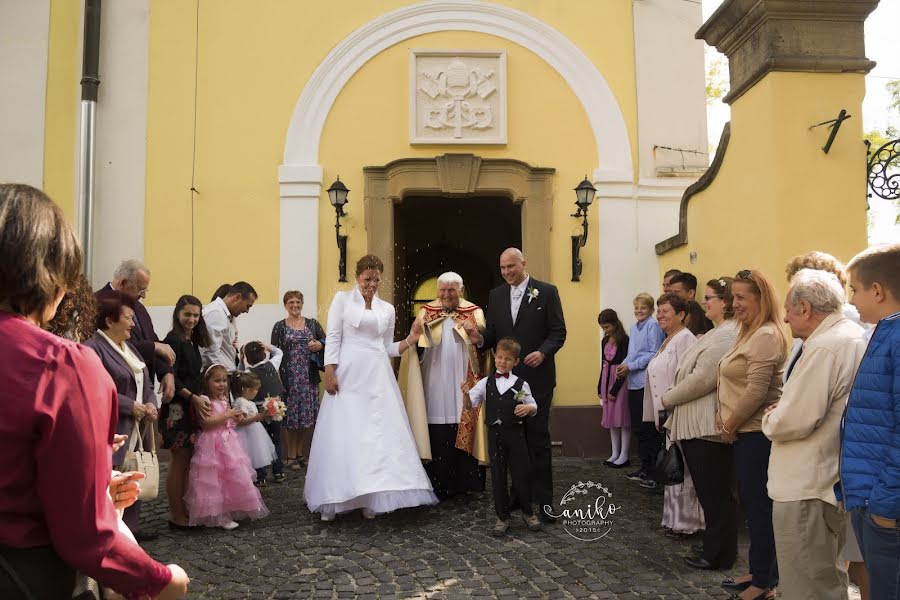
[531, 312]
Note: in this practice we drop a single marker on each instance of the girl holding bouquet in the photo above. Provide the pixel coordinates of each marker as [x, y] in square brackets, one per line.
[220, 487]
[256, 442]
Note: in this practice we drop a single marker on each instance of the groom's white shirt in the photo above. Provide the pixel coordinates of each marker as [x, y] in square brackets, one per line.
[516, 303]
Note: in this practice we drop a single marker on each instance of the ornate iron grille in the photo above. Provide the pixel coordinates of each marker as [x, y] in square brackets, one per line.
[884, 171]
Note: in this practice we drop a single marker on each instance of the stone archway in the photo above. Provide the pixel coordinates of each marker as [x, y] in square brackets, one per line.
[462, 176]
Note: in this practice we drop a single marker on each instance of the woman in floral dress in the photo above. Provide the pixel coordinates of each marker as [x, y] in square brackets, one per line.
[302, 340]
[178, 423]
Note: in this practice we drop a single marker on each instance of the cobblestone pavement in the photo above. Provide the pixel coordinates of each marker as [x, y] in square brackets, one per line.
[437, 552]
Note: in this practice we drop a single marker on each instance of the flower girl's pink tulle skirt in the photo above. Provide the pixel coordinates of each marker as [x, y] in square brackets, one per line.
[221, 479]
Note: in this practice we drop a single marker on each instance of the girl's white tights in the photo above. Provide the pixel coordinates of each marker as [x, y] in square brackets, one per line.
[615, 438]
[625, 446]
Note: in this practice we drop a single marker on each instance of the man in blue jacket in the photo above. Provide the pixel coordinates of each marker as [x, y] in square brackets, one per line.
[870, 446]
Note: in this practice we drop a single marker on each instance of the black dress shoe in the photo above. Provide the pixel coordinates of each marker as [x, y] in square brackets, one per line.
[698, 562]
[143, 536]
[176, 526]
[730, 585]
[623, 465]
[608, 463]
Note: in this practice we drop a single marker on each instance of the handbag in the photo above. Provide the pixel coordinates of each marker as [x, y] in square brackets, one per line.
[669, 467]
[317, 359]
[143, 461]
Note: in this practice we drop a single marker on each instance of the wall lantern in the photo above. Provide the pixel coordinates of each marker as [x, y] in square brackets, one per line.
[337, 195]
[584, 195]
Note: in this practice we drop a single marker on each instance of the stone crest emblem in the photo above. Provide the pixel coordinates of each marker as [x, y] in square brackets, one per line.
[457, 97]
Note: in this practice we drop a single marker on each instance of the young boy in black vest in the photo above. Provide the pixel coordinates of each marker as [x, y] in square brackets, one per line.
[507, 401]
[266, 368]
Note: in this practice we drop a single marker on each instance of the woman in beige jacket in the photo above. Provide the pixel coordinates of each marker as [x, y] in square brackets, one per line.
[692, 404]
[750, 380]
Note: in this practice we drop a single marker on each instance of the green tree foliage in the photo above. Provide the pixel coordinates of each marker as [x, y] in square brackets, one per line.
[716, 80]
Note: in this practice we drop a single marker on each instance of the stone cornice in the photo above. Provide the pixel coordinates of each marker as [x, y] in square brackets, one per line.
[761, 36]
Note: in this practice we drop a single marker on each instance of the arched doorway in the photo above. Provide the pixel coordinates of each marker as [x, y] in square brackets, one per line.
[439, 233]
[455, 212]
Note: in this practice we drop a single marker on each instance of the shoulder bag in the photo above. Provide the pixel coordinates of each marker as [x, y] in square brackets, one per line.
[143, 461]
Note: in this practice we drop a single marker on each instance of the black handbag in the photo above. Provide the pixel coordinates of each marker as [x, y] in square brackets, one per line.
[316, 359]
[669, 467]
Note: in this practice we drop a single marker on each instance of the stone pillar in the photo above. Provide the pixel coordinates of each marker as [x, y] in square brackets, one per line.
[775, 193]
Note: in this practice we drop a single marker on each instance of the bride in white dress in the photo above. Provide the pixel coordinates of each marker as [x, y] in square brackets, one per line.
[363, 454]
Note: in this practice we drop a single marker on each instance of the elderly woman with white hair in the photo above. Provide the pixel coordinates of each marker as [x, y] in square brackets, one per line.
[804, 427]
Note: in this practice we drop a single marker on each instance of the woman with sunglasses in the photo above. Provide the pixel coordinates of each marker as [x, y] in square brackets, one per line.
[692, 403]
[749, 380]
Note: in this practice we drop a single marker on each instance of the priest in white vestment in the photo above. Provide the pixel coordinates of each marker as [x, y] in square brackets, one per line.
[446, 359]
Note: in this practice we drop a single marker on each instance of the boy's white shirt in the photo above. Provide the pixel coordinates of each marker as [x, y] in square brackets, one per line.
[479, 390]
[275, 357]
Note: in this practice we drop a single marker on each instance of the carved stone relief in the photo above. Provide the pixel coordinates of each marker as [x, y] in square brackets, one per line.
[457, 97]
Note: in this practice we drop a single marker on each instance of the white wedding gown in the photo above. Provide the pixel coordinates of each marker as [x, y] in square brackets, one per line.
[363, 454]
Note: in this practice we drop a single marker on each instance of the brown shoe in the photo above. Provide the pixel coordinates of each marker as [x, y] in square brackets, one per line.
[500, 528]
[533, 523]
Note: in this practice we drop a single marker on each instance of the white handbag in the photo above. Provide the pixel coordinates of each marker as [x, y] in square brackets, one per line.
[143, 461]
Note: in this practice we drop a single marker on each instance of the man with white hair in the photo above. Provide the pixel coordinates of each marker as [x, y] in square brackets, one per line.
[804, 427]
[446, 359]
[133, 278]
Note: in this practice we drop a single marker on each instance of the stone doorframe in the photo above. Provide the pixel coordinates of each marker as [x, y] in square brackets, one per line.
[459, 175]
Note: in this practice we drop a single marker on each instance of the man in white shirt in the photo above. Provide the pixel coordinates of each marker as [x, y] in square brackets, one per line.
[531, 312]
[219, 316]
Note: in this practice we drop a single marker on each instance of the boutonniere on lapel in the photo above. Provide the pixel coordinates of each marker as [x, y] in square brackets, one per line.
[532, 293]
[520, 396]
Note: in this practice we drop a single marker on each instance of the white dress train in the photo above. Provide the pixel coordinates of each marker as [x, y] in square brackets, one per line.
[363, 454]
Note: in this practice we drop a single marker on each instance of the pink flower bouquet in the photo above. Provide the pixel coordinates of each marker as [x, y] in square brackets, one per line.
[275, 408]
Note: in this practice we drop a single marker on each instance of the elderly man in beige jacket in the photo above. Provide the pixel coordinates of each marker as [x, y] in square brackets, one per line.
[804, 427]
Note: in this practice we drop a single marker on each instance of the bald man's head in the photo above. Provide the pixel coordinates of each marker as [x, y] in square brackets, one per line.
[512, 266]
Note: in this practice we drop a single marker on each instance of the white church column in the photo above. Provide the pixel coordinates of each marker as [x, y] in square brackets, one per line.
[121, 137]
[301, 187]
[672, 146]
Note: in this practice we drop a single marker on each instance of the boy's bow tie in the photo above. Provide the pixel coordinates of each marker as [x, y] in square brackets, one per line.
[499, 375]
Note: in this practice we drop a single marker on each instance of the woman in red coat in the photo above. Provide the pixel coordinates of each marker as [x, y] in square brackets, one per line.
[57, 422]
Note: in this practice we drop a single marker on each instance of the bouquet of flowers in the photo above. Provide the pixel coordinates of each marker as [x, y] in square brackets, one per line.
[275, 408]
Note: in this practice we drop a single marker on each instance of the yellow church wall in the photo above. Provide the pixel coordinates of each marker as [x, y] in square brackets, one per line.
[61, 112]
[252, 65]
[547, 128]
[777, 194]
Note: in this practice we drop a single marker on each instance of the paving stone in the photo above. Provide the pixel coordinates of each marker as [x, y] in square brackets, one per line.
[443, 552]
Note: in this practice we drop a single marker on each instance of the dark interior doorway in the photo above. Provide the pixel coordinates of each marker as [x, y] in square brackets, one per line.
[436, 234]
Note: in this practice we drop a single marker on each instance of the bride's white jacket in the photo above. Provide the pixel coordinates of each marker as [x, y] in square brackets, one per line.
[344, 317]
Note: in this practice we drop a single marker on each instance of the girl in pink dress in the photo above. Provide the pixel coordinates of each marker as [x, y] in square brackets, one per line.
[613, 392]
[221, 488]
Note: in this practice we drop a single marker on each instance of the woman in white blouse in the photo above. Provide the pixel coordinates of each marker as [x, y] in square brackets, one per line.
[682, 514]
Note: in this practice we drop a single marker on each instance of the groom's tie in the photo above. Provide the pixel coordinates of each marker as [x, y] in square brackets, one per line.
[516, 304]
